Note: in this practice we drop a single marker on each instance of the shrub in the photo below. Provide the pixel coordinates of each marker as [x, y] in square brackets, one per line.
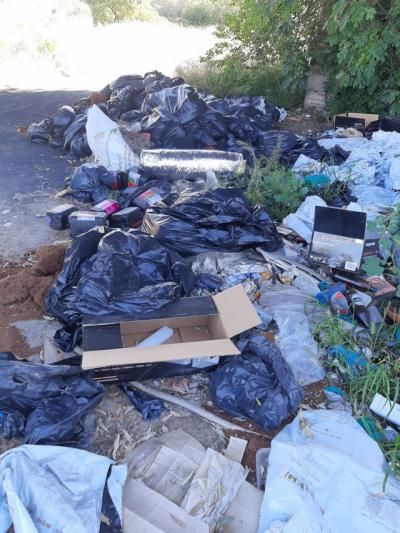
[276, 188]
[236, 80]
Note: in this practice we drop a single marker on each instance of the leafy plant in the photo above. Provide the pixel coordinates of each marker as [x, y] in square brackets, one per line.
[275, 187]
[388, 228]
[356, 43]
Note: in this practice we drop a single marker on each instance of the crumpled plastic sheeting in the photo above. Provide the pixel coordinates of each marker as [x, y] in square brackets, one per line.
[49, 488]
[326, 474]
[257, 385]
[293, 310]
[302, 221]
[205, 220]
[120, 272]
[376, 197]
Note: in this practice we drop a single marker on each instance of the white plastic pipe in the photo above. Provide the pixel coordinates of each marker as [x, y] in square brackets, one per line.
[156, 338]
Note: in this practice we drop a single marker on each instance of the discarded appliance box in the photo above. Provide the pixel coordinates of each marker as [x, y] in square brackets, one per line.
[354, 120]
[203, 327]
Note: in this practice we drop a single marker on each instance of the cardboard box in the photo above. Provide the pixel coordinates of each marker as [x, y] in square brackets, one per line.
[354, 120]
[203, 327]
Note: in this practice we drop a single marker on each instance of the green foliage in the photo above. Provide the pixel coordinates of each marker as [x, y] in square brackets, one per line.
[357, 43]
[276, 188]
[108, 11]
[191, 12]
[364, 41]
[233, 79]
[388, 227]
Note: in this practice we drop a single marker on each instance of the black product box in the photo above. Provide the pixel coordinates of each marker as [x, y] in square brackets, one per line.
[83, 221]
[57, 217]
[338, 238]
[129, 217]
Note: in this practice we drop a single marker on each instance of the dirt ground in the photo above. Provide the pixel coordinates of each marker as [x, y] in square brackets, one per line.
[23, 288]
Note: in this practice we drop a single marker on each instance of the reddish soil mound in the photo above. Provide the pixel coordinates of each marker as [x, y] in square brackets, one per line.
[23, 289]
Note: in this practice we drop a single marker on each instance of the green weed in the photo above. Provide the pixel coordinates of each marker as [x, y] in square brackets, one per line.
[275, 187]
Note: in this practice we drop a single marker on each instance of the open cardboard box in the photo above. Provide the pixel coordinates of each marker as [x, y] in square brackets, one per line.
[354, 120]
[203, 327]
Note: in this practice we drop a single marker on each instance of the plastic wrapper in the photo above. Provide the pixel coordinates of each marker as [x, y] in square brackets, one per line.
[326, 473]
[205, 220]
[118, 273]
[187, 164]
[257, 385]
[74, 481]
[53, 401]
[302, 221]
[150, 408]
[295, 311]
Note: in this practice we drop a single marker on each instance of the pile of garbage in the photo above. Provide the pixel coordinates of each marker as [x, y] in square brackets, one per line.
[171, 274]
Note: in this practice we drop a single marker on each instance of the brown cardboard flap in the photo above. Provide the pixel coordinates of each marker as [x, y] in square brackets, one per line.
[236, 312]
[164, 352]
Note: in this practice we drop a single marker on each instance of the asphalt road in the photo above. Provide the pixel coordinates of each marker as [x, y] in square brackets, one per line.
[30, 174]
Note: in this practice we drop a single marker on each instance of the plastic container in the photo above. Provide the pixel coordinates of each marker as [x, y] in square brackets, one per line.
[129, 217]
[82, 221]
[57, 217]
[148, 198]
[107, 206]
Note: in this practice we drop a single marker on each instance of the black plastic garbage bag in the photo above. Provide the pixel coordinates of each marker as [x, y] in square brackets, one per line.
[89, 183]
[203, 220]
[61, 120]
[40, 132]
[273, 141]
[130, 80]
[165, 130]
[76, 128]
[150, 408]
[47, 404]
[79, 146]
[128, 272]
[182, 101]
[257, 385]
[63, 289]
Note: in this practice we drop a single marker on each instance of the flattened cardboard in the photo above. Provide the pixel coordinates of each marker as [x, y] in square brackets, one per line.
[199, 335]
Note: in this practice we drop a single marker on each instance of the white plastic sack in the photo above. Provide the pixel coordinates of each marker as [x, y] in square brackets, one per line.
[302, 221]
[326, 474]
[54, 488]
[106, 142]
[292, 310]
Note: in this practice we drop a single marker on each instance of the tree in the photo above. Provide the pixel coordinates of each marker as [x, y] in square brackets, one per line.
[356, 42]
[108, 11]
